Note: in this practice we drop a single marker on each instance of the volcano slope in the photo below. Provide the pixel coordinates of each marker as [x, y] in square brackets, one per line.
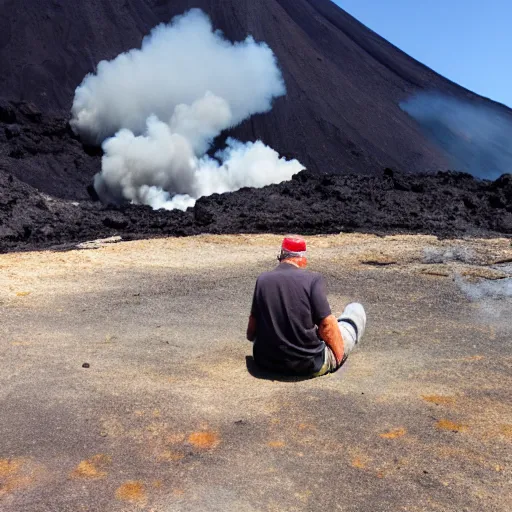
[168, 415]
[340, 116]
[344, 82]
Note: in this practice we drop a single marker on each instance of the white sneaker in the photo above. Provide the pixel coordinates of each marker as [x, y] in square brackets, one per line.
[355, 316]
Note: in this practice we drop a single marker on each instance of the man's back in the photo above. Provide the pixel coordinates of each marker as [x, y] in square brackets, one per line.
[288, 304]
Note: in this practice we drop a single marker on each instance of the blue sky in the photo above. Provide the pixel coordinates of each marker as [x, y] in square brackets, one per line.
[468, 41]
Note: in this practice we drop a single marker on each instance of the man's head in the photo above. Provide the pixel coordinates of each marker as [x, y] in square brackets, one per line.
[293, 251]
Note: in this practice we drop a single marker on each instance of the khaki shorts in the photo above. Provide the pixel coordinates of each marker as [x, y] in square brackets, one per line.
[330, 365]
[352, 324]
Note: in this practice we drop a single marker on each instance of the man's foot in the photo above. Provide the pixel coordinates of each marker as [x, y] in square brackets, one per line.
[354, 318]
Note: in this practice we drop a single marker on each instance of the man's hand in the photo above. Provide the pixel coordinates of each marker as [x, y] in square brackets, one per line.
[331, 335]
[251, 329]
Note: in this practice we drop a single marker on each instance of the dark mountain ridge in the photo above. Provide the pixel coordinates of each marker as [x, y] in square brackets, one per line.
[344, 82]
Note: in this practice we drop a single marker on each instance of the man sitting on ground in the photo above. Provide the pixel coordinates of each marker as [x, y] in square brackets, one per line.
[291, 323]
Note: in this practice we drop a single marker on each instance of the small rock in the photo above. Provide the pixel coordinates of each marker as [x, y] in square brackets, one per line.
[12, 131]
[115, 220]
[484, 273]
[436, 270]
[7, 112]
[97, 244]
[202, 214]
[86, 365]
[31, 111]
[379, 262]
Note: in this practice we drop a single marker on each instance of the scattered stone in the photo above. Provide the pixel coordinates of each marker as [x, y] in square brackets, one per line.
[436, 270]
[98, 244]
[380, 262]
[7, 112]
[503, 261]
[12, 131]
[484, 273]
[86, 365]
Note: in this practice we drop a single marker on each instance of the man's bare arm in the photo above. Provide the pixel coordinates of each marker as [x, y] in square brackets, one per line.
[330, 333]
[251, 328]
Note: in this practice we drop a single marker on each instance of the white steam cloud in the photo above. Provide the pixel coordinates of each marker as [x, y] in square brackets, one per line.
[493, 299]
[478, 138]
[482, 289]
[163, 105]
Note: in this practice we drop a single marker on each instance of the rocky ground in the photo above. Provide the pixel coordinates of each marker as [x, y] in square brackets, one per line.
[445, 204]
[42, 151]
[45, 172]
[127, 385]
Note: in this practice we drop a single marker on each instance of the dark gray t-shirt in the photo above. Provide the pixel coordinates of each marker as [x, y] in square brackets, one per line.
[288, 305]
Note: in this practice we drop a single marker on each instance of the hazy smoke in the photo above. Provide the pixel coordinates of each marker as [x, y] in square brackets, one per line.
[478, 138]
[482, 289]
[145, 171]
[432, 255]
[493, 298]
[166, 103]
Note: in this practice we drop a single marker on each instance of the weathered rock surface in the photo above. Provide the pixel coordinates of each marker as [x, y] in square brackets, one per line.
[42, 151]
[445, 204]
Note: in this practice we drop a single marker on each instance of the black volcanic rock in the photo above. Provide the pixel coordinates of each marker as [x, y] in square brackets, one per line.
[7, 113]
[42, 151]
[446, 204]
[344, 81]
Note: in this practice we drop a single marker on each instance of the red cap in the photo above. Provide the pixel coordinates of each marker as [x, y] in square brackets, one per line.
[294, 244]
